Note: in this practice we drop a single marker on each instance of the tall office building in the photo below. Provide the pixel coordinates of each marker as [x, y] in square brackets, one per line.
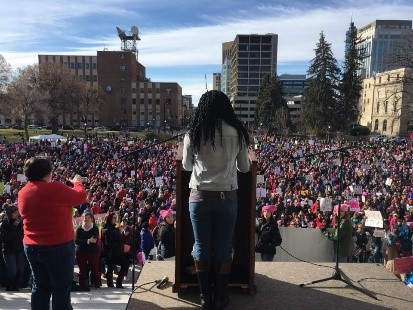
[252, 58]
[216, 81]
[351, 29]
[379, 38]
[226, 67]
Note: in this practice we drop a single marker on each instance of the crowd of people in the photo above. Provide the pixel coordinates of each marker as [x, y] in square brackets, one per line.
[296, 175]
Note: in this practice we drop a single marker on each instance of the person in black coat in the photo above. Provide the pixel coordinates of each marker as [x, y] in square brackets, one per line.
[166, 247]
[113, 249]
[11, 231]
[269, 236]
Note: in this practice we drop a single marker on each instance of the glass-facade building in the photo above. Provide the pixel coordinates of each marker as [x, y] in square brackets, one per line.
[378, 39]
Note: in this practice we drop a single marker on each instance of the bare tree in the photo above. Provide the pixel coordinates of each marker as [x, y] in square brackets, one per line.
[61, 90]
[23, 98]
[90, 101]
[5, 70]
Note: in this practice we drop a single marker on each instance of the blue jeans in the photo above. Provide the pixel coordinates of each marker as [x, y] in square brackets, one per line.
[52, 270]
[267, 257]
[213, 225]
[15, 265]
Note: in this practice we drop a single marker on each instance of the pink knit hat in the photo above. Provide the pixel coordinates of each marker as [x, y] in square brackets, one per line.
[343, 208]
[269, 208]
[165, 213]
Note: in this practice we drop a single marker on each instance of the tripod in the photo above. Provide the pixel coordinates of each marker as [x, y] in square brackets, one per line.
[135, 155]
[338, 274]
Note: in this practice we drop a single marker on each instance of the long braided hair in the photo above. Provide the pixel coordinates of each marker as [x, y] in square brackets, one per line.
[214, 107]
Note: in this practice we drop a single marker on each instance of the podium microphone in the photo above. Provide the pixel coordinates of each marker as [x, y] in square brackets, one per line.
[162, 282]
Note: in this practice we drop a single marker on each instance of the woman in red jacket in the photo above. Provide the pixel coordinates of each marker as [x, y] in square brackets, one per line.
[50, 249]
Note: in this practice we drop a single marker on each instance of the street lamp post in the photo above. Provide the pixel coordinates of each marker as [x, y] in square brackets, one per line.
[328, 133]
[85, 124]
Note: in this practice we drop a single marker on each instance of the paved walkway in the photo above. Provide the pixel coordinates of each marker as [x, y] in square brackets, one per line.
[97, 299]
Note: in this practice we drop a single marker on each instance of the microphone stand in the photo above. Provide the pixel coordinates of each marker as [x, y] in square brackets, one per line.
[135, 155]
[338, 274]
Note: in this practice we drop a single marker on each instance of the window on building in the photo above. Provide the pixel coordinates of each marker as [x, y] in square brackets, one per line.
[122, 101]
[376, 125]
[149, 101]
[122, 55]
[133, 90]
[157, 102]
[395, 106]
[133, 101]
[95, 78]
[142, 101]
[384, 125]
[378, 107]
[79, 65]
[87, 78]
[386, 103]
[72, 65]
[122, 68]
[95, 66]
[87, 66]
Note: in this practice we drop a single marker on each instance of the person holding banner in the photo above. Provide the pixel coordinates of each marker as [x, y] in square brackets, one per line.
[341, 243]
[214, 149]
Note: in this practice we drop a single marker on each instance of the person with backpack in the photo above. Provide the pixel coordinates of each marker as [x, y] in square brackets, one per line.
[165, 236]
[269, 236]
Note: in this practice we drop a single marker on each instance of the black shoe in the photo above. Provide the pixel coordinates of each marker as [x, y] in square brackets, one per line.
[119, 286]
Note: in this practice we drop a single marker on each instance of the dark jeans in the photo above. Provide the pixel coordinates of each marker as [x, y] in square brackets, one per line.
[15, 265]
[52, 270]
[267, 257]
[213, 223]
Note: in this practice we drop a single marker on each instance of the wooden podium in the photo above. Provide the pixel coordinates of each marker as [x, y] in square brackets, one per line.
[243, 265]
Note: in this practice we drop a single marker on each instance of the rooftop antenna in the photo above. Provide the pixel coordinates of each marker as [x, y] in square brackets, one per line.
[206, 85]
[129, 41]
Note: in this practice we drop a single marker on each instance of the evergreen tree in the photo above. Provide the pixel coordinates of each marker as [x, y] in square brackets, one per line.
[352, 83]
[321, 96]
[272, 112]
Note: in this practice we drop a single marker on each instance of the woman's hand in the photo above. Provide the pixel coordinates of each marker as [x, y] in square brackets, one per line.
[77, 178]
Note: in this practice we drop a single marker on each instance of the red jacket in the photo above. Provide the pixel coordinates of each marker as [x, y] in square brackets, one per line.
[46, 209]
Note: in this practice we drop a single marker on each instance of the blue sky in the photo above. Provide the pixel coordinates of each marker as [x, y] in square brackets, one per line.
[181, 40]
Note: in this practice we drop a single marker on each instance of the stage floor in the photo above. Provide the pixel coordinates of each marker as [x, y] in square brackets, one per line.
[278, 288]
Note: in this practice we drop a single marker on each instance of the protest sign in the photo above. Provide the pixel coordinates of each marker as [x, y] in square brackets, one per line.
[373, 219]
[326, 204]
[260, 192]
[260, 178]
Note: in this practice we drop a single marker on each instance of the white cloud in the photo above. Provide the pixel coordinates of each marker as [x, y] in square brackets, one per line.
[298, 29]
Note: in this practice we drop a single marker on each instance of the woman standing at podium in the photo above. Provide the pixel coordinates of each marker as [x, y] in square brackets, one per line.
[214, 149]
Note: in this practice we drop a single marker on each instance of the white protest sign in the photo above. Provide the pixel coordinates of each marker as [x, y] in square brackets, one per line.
[260, 192]
[309, 177]
[326, 204]
[389, 181]
[118, 174]
[21, 178]
[158, 181]
[260, 179]
[291, 167]
[277, 170]
[278, 191]
[373, 219]
[7, 188]
[132, 173]
[356, 189]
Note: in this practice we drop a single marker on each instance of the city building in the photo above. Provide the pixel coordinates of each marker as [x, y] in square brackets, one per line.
[378, 38]
[226, 67]
[216, 81]
[386, 104]
[130, 98]
[294, 86]
[253, 56]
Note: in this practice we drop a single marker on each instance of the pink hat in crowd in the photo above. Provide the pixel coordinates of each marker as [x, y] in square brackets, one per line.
[269, 208]
[343, 208]
[165, 213]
